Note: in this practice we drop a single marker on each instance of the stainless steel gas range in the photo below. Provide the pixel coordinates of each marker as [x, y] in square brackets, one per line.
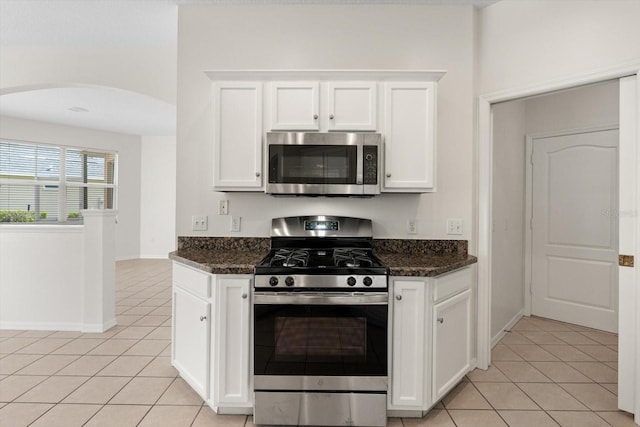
[320, 303]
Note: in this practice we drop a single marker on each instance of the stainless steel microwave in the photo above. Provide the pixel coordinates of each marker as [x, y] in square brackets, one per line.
[335, 163]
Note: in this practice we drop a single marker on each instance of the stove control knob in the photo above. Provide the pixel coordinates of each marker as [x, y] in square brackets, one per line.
[351, 281]
[288, 281]
[367, 281]
[273, 281]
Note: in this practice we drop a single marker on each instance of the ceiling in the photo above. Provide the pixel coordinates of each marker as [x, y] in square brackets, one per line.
[111, 24]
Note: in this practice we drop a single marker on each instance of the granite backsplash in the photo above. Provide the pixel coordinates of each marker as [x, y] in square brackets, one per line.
[262, 244]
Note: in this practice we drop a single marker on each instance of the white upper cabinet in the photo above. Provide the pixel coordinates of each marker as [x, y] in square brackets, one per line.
[409, 135]
[352, 106]
[400, 104]
[295, 106]
[237, 123]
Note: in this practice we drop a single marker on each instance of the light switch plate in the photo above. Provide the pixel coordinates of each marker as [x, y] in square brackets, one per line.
[235, 223]
[455, 226]
[412, 226]
[199, 222]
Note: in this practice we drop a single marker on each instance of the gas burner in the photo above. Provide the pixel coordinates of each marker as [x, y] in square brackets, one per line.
[290, 258]
[351, 258]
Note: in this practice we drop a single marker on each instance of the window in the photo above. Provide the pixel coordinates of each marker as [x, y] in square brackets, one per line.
[41, 183]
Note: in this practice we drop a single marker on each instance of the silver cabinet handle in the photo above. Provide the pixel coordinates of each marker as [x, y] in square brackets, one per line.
[331, 117]
[258, 174]
[244, 296]
[203, 318]
[398, 297]
[440, 319]
[388, 175]
[315, 117]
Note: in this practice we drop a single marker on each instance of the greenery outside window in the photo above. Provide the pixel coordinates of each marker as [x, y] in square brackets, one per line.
[45, 183]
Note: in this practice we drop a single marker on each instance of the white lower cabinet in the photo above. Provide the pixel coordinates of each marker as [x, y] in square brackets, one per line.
[211, 330]
[190, 339]
[431, 339]
[451, 343]
[408, 343]
[230, 345]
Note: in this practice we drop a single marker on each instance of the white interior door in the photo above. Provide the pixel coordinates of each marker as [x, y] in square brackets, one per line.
[575, 229]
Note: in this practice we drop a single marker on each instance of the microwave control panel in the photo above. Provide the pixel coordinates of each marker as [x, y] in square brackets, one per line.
[370, 164]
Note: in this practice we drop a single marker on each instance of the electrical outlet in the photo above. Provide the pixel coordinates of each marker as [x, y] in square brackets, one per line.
[235, 223]
[223, 207]
[199, 223]
[412, 226]
[455, 226]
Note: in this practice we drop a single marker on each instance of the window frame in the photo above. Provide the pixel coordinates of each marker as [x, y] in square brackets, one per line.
[63, 184]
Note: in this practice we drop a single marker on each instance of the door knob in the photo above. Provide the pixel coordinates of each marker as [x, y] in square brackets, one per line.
[203, 318]
[440, 319]
[315, 117]
[388, 175]
[258, 174]
[244, 296]
[331, 117]
[398, 297]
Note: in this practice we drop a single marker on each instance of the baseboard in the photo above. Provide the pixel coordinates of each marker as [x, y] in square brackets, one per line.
[495, 340]
[98, 327]
[150, 256]
[41, 326]
[126, 257]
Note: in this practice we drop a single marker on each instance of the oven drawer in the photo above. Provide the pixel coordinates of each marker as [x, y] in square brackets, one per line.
[451, 284]
[320, 409]
[197, 282]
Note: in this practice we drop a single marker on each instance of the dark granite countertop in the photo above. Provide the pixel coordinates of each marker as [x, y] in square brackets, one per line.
[218, 261]
[229, 255]
[424, 265]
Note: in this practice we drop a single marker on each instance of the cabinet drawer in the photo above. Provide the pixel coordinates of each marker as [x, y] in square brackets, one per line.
[451, 284]
[192, 280]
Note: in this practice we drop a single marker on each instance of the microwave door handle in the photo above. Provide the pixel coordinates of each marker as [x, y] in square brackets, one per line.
[359, 164]
[304, 299]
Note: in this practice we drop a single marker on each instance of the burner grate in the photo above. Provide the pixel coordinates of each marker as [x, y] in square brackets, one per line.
[290, 258]
[351, 258]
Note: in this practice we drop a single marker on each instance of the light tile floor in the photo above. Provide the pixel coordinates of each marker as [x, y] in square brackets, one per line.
[544, 373]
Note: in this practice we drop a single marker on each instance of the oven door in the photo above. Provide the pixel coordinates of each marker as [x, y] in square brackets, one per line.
[320, 342]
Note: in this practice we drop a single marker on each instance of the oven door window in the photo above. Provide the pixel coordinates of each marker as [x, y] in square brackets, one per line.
[313, 164]
[320, 340]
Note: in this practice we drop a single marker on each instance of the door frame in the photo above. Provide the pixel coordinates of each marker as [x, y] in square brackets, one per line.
[528, 207]
[483, 198]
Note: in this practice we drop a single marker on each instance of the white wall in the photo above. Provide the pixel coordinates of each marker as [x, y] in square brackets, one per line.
[526, 42]
[129, 160]
[150, 71]
[585, 107]
[158, 196]
[589, 106]
[507, 245]
[41, 276]
[326, 37]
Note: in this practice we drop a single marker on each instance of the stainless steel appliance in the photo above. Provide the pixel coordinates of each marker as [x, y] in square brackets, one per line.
[320, 304]
[334, 163]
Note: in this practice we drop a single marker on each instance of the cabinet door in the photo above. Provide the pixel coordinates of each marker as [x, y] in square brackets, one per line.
[190, 339]
[409, 111]
[295, 106]
[352, 106]
[408, 366]
[451, 342]
[237, 122]
[232, 343]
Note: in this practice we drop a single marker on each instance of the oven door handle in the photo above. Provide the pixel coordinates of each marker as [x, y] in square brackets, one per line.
[300, 299]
